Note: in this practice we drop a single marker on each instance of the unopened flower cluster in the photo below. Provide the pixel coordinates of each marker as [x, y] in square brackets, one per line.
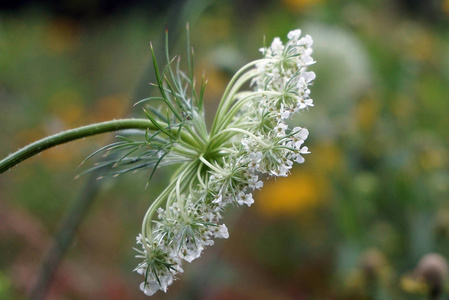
[250, 139]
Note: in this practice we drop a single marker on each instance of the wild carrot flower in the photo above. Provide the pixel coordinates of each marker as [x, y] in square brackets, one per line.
[249, 139]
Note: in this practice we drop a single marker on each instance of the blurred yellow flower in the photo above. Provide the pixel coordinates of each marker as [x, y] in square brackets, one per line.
[110, 107]
[367, 111]
[327, 158]
[431, 159]
[291, 195]
[445, 6]
[299, 5]
[413, 286]
[420, 43]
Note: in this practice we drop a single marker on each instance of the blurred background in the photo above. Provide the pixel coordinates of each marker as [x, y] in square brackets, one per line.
[365, 217]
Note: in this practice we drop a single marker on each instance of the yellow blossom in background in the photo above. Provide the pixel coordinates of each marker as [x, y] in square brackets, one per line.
[299, 5]
[109, 107]
[368, 112]
[445, 7]
[413, 286]
[303, 190]
[431, 159]
[291, 195]
[419, 43]
[328, 159]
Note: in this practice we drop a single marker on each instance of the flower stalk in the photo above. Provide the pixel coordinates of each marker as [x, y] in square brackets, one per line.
[71, 135]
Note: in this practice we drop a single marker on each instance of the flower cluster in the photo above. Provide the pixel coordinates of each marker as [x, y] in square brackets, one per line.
[249, 139]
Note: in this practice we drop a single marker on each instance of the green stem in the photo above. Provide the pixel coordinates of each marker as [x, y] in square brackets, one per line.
[237, 106]
[71, 135]
[146, 224]
[211, 166]
[231, 89]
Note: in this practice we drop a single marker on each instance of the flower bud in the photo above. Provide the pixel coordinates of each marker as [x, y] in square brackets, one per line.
[433, 270]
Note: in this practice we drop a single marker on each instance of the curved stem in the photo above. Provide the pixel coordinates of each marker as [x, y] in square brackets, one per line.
[211, 166]
[146, 224]
[238, 105]
[200, 180]
[228, 99]
[223, 106]
[71, 135]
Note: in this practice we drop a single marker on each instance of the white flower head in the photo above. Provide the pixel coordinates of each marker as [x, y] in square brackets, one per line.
[250, 140]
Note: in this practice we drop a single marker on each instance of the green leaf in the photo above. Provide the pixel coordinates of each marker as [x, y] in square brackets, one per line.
[158, 125]
[149, 99]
